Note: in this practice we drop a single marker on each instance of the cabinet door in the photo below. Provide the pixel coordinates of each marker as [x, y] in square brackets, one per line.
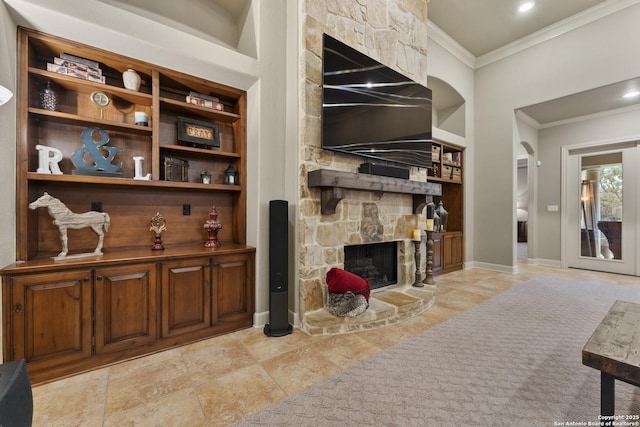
[233, 288]
[51, 318]
[186, 296]
[125, 307]
[453, 251]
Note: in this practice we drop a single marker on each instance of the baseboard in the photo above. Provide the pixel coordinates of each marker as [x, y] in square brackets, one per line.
[262, 318]
[511, 269]
[546, 262]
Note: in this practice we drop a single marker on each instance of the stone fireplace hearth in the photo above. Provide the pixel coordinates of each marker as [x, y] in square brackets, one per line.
[362, 218]
[378, 29]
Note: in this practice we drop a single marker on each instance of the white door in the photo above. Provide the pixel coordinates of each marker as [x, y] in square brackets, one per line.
[601, 212]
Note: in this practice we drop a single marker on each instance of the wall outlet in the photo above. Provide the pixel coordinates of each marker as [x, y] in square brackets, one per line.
[186, 209]
[96, 206]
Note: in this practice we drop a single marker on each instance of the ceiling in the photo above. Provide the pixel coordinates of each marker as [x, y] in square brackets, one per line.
[483, 26]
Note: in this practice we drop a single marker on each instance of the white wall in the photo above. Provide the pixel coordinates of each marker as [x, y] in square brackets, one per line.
[623, 126]
[591, 56]
[101, 25]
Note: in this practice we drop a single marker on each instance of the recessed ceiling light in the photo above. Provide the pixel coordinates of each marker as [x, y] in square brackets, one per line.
[524, 7]
[631, 94]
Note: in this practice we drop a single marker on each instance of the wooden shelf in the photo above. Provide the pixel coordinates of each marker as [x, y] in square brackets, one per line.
[129, 255]
[73, 119]
[223, 116]
[110, 181]
[200, 151]
[333, 183]
[86, 87]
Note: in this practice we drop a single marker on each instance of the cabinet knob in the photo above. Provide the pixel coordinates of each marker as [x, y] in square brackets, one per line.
[99, 277]
[18, 308]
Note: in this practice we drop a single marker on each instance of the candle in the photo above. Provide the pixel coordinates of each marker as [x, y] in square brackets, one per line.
[430, 224]
[416, 235]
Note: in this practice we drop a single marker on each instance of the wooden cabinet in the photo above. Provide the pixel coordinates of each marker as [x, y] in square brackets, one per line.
[186, 296]
[47, 318]
[125, 307]
[447, 251]
[66, 321]
[90, 310]
[232, 279]
[448, 161]
[452, 251]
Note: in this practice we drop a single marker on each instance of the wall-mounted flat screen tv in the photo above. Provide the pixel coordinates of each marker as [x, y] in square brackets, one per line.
[370, 110]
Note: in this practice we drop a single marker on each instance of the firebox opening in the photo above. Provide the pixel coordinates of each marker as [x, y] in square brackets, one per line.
[376, 262]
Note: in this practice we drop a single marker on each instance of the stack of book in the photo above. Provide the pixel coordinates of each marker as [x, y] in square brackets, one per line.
[77, 67]
[205, 101]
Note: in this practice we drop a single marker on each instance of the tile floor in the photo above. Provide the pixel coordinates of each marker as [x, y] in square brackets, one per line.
[220, 380]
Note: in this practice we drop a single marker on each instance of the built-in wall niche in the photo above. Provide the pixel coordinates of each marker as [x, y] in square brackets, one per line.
[226, 22]
[449, 107]
[376, 262]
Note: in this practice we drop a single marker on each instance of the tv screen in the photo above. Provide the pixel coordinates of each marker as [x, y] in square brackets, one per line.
[370, 110]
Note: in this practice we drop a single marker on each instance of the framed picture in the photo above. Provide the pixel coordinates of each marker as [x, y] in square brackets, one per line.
[198, 133]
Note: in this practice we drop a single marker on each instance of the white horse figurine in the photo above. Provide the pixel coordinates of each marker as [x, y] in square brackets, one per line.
[64, 219]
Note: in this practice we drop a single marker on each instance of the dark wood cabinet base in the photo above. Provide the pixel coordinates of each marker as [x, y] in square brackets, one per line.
[71, 317]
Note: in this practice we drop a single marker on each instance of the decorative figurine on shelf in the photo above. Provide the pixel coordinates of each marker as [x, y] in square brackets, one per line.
[131, 80]
[443, 215]
[158, 225]
[137, 160]
[48, 159]
[212, 225]
[230, 176]
[64, 219]
[101, 165]
[100, 100]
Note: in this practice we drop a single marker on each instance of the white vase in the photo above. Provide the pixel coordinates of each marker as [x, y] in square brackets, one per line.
[131, 79]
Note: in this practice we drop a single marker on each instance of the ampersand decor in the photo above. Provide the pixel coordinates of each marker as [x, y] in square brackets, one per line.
[94, 140]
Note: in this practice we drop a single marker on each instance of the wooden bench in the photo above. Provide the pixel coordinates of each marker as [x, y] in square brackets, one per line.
[614, 349]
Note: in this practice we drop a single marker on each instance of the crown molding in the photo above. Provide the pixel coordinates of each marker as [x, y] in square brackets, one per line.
[571, 23]
[450, 45]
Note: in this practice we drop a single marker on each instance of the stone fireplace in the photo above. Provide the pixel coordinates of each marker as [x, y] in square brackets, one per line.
[376, 262]
[378, 28]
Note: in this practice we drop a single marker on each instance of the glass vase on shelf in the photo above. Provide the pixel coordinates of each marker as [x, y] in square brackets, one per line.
[48, 98]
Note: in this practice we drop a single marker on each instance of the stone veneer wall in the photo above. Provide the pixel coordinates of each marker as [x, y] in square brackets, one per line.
[393, 32]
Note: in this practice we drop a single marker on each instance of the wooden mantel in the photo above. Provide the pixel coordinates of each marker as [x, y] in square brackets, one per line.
[333, 183]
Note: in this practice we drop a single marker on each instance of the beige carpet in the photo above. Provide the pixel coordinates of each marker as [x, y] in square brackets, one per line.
[514, 360]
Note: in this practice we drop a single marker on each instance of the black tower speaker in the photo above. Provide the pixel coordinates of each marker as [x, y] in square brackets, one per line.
[278, 270]
[16, 399]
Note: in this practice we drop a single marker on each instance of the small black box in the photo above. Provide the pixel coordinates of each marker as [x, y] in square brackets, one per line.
[383, 170]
